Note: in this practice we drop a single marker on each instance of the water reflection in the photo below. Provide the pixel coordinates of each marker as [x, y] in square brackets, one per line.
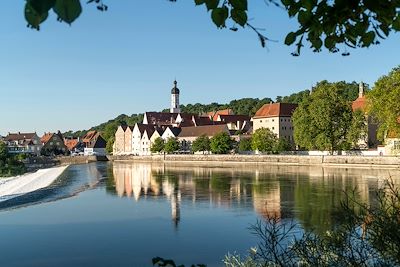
[309, 195]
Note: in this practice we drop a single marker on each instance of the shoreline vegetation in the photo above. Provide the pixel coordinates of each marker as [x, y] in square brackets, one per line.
[10, 165]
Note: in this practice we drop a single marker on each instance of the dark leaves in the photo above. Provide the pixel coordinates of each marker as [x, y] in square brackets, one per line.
[219, 16]
[68, 10]
[239, 16]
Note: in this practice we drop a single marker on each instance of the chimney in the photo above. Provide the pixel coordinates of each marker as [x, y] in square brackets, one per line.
[361, 90]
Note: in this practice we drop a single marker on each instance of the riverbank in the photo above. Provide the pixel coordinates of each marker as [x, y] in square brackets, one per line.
[301, 160]
[19, 185]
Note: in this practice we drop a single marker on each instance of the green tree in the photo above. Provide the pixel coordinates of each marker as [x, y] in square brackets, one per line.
[358, 128]
[282, 145]
[110, 143]
[322, 121]
[245, 144]
[158, 145]
[3, 151]
[201, 143]
[171, 145]
[264, 140]
[323, 24]
[221, 143]
[384, 104]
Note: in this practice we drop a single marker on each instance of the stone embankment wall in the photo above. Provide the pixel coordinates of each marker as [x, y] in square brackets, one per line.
[36, 163]
[218, 160]
[77, 160]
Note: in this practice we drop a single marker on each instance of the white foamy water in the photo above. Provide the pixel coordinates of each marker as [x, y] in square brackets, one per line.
[20, 185]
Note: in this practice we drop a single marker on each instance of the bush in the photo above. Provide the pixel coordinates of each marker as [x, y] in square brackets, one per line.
[245, 144]
[202, 143]
[221, 143]
[158, 145]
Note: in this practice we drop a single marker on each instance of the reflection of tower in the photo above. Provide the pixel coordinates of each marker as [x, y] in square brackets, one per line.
[175, 99]
[267, 201]
[176, 207]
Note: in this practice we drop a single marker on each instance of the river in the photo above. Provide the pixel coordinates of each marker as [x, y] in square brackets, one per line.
[124, 214]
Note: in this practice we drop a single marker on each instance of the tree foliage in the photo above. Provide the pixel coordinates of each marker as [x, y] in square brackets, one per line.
[358, 129]
[9, 164]
[323, 120]
[3, 151]
[201, 143]
[158, 145]
[171, 145]
[243, 106]
[245, 144]
[348, 90]
[322, 24]
[221, 143]
[282, 145]
[384, 104]
[263, 140]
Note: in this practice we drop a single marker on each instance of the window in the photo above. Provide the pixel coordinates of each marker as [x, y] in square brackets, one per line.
[260, 121]
[396, 145]
[273, 128]
[273, 120]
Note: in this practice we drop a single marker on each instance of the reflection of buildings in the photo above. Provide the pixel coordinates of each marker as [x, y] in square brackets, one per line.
[308, 194]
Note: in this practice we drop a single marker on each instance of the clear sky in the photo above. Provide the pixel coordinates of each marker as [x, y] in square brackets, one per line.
[125, 61]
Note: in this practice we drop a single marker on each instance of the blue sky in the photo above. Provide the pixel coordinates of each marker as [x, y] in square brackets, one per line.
[125, 60]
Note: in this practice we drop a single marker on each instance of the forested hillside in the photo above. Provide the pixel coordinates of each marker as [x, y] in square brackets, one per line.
[243, 106]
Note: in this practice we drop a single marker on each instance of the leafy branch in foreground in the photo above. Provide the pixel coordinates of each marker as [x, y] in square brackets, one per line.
[366, 235]
[323, 24]
[165, 262]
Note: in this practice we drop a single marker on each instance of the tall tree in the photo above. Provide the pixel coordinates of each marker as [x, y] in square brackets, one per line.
[358, 129]
[322, 121]
[384, 103]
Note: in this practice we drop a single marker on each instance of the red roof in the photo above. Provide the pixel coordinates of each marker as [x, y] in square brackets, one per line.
[208, 130]
[89, 136]
[276, 110]
[214, 114]
[234, 118]
[71, 143]
[46, 137]
[359, 103]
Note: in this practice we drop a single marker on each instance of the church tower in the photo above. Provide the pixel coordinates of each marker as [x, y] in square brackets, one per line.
[175, 99]
[361, 90]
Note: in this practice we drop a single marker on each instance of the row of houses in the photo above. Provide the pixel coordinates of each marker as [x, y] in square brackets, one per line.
[53, 144]
[137, 139]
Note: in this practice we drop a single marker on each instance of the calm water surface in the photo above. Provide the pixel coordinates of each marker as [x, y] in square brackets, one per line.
[124, 214]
